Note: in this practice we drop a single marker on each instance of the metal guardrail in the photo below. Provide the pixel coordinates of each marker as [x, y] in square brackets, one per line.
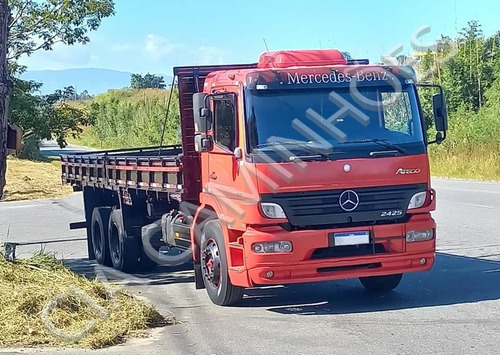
[11, 246]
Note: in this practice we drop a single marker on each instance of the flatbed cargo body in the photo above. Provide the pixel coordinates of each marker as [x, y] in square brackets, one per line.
[148, 169]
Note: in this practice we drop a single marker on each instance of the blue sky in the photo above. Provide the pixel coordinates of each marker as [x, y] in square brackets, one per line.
[154, 35]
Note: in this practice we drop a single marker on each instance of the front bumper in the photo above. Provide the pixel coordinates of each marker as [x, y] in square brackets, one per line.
[301, 265]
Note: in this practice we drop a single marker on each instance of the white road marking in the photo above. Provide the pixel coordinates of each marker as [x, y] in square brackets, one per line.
[3, 207]
[467, 190]
[469, 204]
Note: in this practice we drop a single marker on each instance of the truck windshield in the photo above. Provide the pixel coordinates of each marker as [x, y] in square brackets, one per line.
[371, 121]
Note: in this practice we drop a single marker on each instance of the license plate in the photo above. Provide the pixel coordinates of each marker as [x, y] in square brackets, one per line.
[351, 238]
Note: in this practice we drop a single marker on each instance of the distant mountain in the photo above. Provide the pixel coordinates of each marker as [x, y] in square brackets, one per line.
[95, 81]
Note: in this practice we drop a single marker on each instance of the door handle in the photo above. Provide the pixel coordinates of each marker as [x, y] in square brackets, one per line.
[213, 176]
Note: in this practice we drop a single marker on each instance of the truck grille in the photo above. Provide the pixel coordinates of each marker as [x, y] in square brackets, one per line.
[313, 208]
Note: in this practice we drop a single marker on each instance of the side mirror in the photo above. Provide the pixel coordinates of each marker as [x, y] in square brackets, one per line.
[201, 114]
[440, 113]
[203, 143]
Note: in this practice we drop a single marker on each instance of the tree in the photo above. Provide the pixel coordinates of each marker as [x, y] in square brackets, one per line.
[5, 87]
[347, 55]
[84, 95]
[464, 66]
[148, 81]
[39, 24]
[136, 81]
[46, 117]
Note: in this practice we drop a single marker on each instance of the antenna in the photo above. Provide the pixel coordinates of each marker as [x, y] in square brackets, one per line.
[456, 22]
[265, 44]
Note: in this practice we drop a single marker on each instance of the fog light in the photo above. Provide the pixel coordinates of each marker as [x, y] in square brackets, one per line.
[423, 261]
[257, 248]
[272, 247]
[417, 236]
[269, 274]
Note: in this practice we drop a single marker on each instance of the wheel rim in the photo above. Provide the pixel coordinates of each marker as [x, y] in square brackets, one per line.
[97, 239]
[114, 243]
[211, 264]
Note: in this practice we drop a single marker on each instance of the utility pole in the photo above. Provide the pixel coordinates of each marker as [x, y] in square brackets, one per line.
[5, 88]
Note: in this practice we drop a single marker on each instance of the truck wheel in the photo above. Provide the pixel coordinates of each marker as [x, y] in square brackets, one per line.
[214, 267]
[99, 233]
[123, 249]
[381, 283]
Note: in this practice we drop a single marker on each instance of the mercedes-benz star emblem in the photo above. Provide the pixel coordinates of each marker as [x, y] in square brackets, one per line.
[349, 200]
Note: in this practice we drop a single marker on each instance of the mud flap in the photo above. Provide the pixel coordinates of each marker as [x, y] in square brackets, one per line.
[198, 277]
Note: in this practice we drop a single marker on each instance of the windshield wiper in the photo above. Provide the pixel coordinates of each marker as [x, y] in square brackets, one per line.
[382, 142]
[301, 144]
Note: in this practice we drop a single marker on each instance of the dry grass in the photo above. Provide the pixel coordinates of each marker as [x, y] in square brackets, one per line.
[27, 287]
[477, 162]
[31, 180]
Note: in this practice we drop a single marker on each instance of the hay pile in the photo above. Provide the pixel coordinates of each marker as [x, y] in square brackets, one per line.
[44, 303]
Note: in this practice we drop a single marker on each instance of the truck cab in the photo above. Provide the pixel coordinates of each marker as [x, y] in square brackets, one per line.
[316, 169]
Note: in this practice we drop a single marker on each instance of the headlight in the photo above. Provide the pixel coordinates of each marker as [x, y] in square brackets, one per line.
[417, 236]
[417, 200]
[272, 210]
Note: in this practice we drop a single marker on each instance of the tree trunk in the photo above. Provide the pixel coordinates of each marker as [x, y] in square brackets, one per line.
[5, 88]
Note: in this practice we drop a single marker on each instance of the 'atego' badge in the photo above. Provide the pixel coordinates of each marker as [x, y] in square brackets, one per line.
[402, 171]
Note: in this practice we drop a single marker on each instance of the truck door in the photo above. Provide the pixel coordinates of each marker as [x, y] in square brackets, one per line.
[224, 179]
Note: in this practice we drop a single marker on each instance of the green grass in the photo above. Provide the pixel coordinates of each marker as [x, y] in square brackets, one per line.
[131, 118]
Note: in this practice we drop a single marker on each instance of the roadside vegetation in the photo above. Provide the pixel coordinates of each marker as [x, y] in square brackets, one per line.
[44, 303]
[468, 67]
[31, 180]
[131, 118]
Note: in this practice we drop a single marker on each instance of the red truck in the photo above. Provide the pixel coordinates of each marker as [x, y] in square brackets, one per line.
[302, 167]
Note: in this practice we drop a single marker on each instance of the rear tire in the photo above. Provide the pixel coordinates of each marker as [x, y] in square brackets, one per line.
[124, 249]
[214, 267]
[384, 283]
[99, 234]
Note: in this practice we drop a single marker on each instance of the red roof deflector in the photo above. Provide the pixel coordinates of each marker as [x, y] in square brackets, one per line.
[311, 57]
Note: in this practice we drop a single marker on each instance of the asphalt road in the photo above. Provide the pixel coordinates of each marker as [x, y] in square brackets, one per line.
[52, 149]
[454, 308]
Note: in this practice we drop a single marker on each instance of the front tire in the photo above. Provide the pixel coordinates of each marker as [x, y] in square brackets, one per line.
[124, 250]
[99, 234]
[384, 283]
[214, 267]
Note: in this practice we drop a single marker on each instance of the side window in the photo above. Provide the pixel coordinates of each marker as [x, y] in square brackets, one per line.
[225, 124]
[397, 112]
